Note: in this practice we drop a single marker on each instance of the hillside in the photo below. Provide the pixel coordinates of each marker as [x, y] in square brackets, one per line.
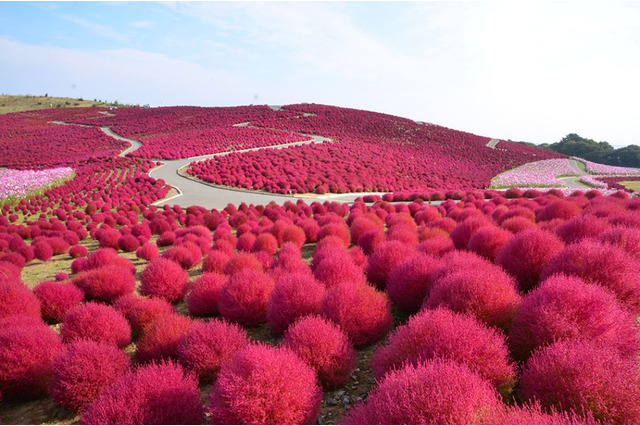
[17, 103]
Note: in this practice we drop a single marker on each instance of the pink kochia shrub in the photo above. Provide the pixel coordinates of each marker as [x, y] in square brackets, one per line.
[363, 313]
[488, 241]
[204, 294]
[160, 339]
[294, 295]
[141, 311]
[17, 299]
[164, 279]
[432, 392]
[601, 264]
[57, 298]
[336, 266]
[563, 307]
[151, 394]
[582, 376]
[444, 334]
[324, 347]
[208, 345]
[215, 261]
[147, 251]
[245, 296]
[105, 284]
[627, 239]
[99, 323]
[410, 280]
[265, 385]
[83, 371]
[384, 258]
[27, 350]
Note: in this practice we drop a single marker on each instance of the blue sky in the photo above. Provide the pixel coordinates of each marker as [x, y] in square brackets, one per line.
[531, 71]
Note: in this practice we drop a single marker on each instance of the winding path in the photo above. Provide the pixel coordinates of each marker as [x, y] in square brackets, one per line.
[492, 143]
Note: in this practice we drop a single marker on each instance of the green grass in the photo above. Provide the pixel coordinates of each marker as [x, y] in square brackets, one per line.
[634, 185]
[17, 103]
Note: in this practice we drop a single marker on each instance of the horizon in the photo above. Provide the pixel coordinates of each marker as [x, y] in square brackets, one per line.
[529, 71]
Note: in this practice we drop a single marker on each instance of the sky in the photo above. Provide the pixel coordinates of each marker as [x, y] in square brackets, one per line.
[525, 71]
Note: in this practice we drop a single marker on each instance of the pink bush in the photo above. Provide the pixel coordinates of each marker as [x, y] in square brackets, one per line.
[335, 267]
[487, 241]
[17, 299]
[245, 297]
[182, 256]
[215, 261]
[266, 242]
[42, 251]
[384, 258]
[432, 392]
[294, 295]
[627, 239]
[57, 298]
[204, 294]
[362, 312]
[151, 394]
[207, 346]
[99, 323]
[106, 283]
[465, 230]
[243, 261]
[409, 281]
[265, 385]
[164, 279]
[324, 347]
[128, 243]
[160, 338]
[83, 371]
[140, 311]
[444, 334]
[560, 209]
[581, 376]
[148, 252]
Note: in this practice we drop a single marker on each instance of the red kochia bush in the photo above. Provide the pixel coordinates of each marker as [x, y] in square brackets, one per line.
[627, 239]
[215, 261]
[148, 251]
[83, 371]
[42, 251]
[204, 294]
[409, 281]
[182, 256]
[465, 230]
[336, 266]
[432, 392]
[106, 283]
[526, 253]
[151, 394]
[580, 228]
[560, 209]
[442, 333]
[384, 258]
[362, 312]
[242, 261]
[164, 279]
[266, 242]
[265, 385]
[16, 299]
[244, 298]
[161, 337]
[602, 264]
[208, 345]
[533, 414]
[294, 295]
[487, 241]
[564, 307]
[489, 294]
[140, 311]
[27, 350]
[96, 322]
[582, 376]
[128, 243]
[57, 298]
[324, 347]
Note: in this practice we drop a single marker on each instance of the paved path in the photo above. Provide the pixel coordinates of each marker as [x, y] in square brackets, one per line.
[134, 144]
[574, 165]
[492, 143]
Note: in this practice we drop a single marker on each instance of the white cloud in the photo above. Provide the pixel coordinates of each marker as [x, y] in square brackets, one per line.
[142, 25]
[99, 29]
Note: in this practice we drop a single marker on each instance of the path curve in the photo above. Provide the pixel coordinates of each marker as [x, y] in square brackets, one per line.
[492, 143]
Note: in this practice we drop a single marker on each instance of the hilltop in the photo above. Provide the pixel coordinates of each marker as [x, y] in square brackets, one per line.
[18, 103]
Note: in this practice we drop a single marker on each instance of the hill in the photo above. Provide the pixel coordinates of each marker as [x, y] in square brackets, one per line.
[17, 103]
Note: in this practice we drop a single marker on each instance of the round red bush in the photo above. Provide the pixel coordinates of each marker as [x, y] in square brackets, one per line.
[370, 239]
[627, 239]
[208, 345]
[151, 394]
[294, 235]
[215, 261]
[526, 253]
[560, 209]
[564, 307]
[245, 297]
[384, 258]
[409, 281]
[242, 261]
[182, 256]
[56, 298]
[106, 283]
[294, 295]
[17, 299]
[324, 347]
[265, 385]
[99, 323]
[266, 242]
[148, 252]
[204, 294]
[534, 414]
[465, 230]
[142, 311]
[58, 245]
[362, 312]
[584, 377]
[487, 241]
[581, 227]
[128, 243]
[164, 279]
[336, 266]
[42, 251]
[335, 229]
[83, 371]
[442, 333]
[432, 392]
[160, 338]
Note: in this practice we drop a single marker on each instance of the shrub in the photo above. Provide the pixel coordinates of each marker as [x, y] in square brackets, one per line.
[207, 346]
[409, 281]
[99, 323]
[42, 251]
[340, 230]
[581, 227]
[369, 240]
[488, 294]
[27, 350]
[362, 312]
[517, 224]
[602, 264]
[432, 392]
[264, 385]
[140, 311]
[17, 299]
[215, 261]
[627, 239]
[294, 295]
[164, 279]
[385, 257]
[560, 209]
[128, 243]
[181, 255]
[404, 233]
[160, 338]
[243, 261]
[148, 251]
[442, 333]
[336, 266]
[564, 307]
[294, 235]
[526, 253]
[204, 294]
[151, 394]
[246, 241]
[324, 347]
[83, 371]
[265, 241]
[584, 377]
[57, 298]
[106, 283]
[487, 241]
[244, 298]
[465, 230]
[533, 414]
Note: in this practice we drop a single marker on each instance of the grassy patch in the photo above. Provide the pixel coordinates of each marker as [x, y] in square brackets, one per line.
[17, 103]
[634, 185]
